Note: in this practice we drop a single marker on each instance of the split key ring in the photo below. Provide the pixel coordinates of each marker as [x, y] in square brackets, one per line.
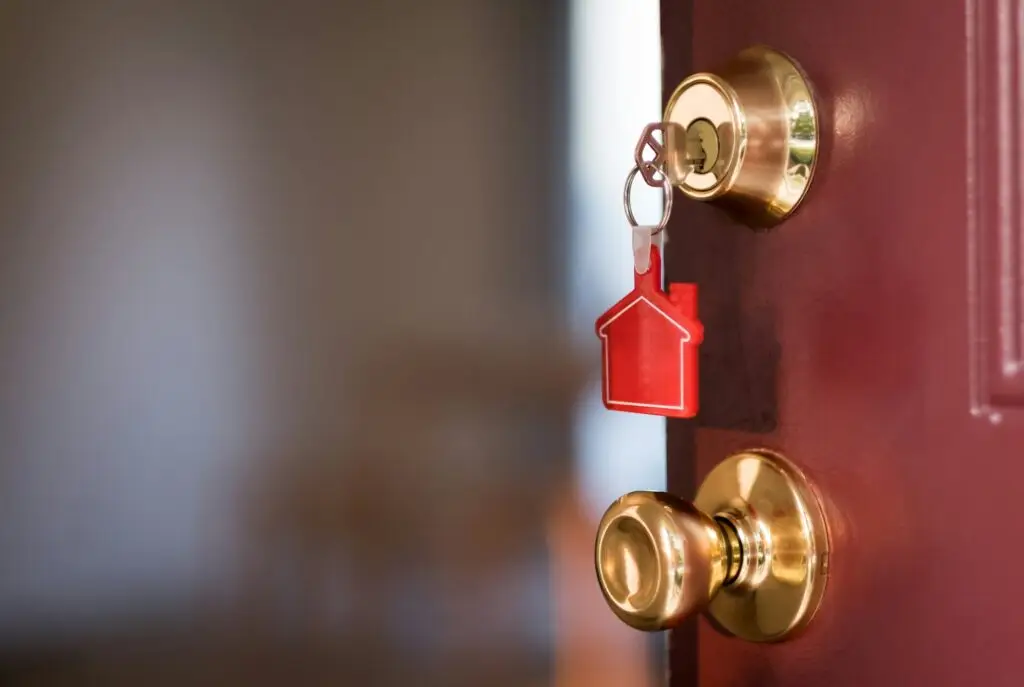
[627, 204]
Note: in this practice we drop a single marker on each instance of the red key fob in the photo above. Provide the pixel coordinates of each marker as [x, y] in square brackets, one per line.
[649, 342]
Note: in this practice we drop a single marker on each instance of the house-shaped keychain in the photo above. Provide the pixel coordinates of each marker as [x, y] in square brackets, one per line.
[649, 342]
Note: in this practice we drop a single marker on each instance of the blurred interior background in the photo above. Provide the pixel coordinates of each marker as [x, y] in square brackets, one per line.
[298, 381]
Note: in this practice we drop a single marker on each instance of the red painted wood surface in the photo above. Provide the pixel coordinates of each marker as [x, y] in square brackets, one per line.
[875, 338]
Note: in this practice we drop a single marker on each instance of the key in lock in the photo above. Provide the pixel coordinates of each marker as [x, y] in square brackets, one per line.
[694, 149]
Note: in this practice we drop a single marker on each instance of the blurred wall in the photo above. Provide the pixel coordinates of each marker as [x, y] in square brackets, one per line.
[284, 388]
[615, 88]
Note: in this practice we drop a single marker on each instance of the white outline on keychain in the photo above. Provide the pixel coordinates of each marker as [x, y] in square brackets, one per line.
[687, 337]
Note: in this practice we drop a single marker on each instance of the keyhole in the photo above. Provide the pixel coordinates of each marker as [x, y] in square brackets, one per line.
[702, 145]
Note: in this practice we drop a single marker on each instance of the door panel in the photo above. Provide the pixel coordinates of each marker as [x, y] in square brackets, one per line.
[875, 335]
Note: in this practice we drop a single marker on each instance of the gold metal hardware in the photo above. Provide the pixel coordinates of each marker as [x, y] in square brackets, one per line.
[757, 124]
[702, 145]
[751, 551]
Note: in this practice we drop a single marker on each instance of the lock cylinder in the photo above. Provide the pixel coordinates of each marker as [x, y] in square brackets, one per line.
[746, 137]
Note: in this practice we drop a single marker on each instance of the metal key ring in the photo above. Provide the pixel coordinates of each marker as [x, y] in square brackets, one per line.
[666, 187]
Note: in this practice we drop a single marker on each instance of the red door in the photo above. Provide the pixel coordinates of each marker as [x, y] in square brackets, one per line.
[875, 338]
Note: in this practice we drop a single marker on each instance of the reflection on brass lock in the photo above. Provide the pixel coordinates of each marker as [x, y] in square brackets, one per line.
[749, 136]
[702, 145]
[751, 551]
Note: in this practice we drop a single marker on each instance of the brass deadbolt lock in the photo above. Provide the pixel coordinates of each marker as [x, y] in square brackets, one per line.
[745, 138]
[751, 551]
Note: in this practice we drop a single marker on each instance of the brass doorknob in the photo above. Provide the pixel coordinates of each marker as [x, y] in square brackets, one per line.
[752, 551]
[745, 137]
[660, 559]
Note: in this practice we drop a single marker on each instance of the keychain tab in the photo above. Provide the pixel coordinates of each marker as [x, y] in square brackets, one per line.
[643, 239]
